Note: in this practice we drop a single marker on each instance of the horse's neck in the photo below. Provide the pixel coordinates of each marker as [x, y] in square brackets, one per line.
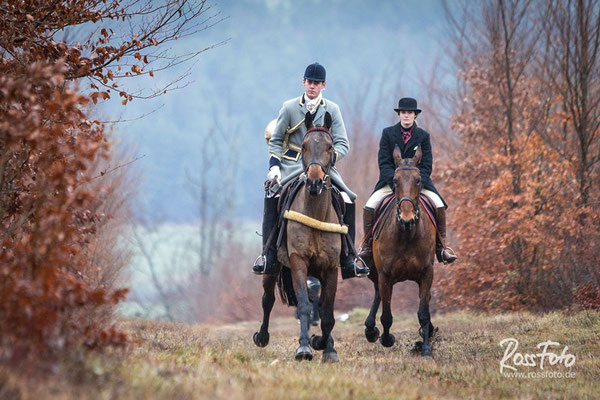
[317, 206]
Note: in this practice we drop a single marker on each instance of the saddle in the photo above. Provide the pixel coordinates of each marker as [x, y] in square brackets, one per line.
[383, 209]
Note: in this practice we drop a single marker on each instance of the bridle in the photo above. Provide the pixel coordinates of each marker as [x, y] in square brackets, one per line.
[406, 198]
[326, 168]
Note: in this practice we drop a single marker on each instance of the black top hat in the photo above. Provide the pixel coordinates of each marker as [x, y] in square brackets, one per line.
[407, 104]
[315, 72]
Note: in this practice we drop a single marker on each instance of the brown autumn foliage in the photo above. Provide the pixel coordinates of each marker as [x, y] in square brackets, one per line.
[55, 283]
[588, 297]
[528, 232]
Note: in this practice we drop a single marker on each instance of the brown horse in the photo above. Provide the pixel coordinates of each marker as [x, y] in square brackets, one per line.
[404, 250]
[308, 251]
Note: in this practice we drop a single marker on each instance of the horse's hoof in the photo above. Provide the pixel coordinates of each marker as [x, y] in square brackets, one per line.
[261, 340]
[303, 353]
[418, 347]
[426, 353]
[314, 342]
[372, 334]
[387, 341]
[330, 357]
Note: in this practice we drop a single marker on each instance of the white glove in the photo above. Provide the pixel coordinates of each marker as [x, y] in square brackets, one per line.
[274, 174]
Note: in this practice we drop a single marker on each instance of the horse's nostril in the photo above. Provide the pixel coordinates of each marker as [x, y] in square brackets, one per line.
[407, 225]
[314, 186]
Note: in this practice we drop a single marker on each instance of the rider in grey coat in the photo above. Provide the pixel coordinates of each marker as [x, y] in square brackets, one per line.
[285, 162]
[287, 153]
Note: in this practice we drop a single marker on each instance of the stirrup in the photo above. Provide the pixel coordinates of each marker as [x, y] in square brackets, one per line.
[451, 252]
[257, 263]
[353, 271]
[364, 268]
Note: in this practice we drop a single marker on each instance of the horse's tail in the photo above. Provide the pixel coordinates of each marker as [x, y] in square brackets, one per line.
[285, 285]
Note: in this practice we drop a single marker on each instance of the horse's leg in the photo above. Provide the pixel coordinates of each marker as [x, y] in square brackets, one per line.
[261, 338]
[315, 316]
[314, 287]
[325, 341]
[385, 291]
[371, 331]
[423, 313]
[299, 268]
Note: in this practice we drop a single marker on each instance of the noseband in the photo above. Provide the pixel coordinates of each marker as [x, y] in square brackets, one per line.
[399, 202]
[325, 168]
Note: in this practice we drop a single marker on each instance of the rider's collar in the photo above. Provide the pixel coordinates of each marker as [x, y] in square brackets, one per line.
[304, 99]
[409, 129]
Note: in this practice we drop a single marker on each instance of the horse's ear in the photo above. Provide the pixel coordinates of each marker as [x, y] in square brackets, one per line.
[308, 120]
[397, 156]
[417, 156]
[328, 120]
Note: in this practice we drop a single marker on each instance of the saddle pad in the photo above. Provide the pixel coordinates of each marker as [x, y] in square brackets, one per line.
[382, 209]
[430, 208]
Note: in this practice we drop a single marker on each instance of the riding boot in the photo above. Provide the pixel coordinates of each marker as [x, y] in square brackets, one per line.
[444, 254]
[266, 263]
[350, 268]
[365, 252]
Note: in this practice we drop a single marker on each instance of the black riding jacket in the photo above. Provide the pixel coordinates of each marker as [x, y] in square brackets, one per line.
[392, 136]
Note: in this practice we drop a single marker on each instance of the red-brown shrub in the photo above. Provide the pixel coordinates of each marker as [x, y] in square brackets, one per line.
[521, 182]
[587, 296]
[48, 214]
[57, 224]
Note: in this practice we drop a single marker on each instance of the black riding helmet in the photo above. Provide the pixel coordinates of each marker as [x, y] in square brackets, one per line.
[315, 72]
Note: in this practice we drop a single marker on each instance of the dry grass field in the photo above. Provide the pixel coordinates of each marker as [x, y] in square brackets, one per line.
[173, 361]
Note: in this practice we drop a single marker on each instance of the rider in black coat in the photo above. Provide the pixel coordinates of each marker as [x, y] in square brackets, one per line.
[408, 137]
[391, 137]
